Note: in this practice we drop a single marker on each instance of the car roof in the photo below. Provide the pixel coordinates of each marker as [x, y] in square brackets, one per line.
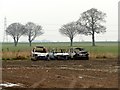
[79, 48]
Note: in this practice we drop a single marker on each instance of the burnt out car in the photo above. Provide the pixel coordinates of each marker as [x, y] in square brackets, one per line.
[39, 53]
[79, 54]
[59, 54]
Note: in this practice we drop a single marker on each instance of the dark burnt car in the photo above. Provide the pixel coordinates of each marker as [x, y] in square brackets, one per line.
[79, 54]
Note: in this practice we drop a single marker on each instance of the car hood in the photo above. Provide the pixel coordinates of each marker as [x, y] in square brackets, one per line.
[40, 54]
[61, 54]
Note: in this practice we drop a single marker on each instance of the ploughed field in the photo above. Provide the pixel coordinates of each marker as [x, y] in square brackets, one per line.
[61, 73]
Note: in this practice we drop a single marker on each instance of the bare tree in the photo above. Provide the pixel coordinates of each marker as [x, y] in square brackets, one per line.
[32, 31]
[16, 30]
[69, 30]
[91, 20]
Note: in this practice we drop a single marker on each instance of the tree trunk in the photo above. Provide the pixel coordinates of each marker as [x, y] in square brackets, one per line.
[71, 41]
[93, 33]
[15, 44]
[93, 39]
[15, 41]
[30, 42]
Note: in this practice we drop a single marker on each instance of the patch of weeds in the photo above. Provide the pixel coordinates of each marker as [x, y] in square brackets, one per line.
[104, 57]
[19, 58]
[6, 59]
[13, 59]
[3, 59]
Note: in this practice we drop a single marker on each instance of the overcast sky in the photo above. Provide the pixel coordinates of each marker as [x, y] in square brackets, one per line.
[52, 14]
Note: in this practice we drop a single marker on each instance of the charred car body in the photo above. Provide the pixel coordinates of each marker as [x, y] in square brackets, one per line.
[59, 55]
[79, 54]
[41, 53]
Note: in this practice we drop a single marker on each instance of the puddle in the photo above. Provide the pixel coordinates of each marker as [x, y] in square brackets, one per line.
[80, 77]
[10, 85]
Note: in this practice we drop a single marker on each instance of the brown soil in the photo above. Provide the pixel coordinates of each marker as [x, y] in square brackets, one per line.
[61, 74]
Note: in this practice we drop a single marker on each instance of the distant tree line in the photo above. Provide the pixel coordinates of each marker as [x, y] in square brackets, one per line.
[88, 24]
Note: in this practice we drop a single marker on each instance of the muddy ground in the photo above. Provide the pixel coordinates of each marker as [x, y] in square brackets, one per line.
[61, 74]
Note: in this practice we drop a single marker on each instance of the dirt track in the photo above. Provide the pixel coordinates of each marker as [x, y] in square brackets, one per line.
[61, 74]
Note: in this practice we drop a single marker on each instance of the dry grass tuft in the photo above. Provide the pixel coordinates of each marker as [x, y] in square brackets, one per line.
[19, 55]
[103, 56]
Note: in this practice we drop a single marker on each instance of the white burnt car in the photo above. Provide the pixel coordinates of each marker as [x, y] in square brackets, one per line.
[39, 53]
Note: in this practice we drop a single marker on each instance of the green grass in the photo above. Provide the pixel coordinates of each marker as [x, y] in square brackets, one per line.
[102, 49]
[100, 46]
